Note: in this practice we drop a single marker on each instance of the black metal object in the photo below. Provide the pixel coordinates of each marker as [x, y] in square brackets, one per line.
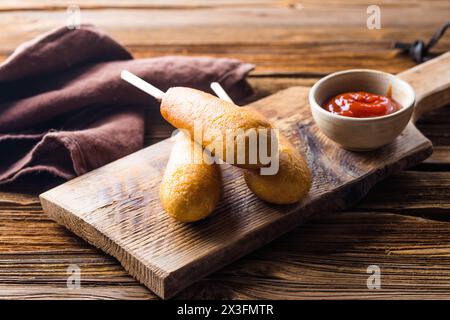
[419, 51]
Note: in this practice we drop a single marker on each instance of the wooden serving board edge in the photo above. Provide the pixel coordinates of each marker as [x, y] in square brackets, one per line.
[296, 214]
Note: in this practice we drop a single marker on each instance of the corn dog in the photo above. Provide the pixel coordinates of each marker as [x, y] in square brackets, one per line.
[289, 185]
[183, 107]
[189, 191]
[292, 181]
[186, 108]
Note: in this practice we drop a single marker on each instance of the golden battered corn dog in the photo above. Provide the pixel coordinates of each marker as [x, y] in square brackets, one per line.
[186, 108]
[289, 185]
[291, 182]
[189, 191]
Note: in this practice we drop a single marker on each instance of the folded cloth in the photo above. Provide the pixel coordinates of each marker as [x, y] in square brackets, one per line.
[64, 109]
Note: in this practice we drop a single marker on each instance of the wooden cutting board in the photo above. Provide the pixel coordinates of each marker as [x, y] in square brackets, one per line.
[116, 208]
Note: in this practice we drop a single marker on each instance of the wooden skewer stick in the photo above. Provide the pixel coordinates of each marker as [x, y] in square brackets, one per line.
[158, 94]
[220, 92]
[142, 84]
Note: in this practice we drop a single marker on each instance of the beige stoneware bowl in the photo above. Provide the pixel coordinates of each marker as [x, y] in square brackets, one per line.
[361, 134]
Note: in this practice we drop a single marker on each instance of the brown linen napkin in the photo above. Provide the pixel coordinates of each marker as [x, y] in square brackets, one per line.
[64, 109]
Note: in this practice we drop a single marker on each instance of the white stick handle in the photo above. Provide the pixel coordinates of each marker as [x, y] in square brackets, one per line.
[220, 92]
[142, 84]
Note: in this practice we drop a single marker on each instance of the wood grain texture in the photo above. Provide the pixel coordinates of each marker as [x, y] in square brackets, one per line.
[327, 258]
[29, 239]
[280, 37]
[439, 161]
[436, 126]
[43, 292]
[425, 202]
[116, 207]
[431, 85]
[303, 264]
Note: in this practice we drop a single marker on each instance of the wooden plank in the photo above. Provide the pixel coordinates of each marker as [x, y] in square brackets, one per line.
[265, 86]
[440, 156]
[436, 126]
[438, 161]
[33, 268]
[37, 256]
[12, 5]
[120, 212]
[177, 265]
[325, 258]
[46, 292]
[26, 225]
[277, 40]
[17, 198]
[254, 277]
[422, 193]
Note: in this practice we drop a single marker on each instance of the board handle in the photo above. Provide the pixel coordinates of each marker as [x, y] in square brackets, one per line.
[431, 82]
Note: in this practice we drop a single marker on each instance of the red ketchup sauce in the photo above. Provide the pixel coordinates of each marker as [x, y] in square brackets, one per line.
[361, 105]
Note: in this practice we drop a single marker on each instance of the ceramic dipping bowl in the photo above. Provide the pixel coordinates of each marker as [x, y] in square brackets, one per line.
[362, 134]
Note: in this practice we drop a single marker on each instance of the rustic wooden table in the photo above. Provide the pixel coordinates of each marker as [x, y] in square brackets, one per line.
[403, 225]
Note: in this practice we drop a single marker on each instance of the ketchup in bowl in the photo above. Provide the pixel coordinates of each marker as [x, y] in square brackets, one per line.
[361, 105]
